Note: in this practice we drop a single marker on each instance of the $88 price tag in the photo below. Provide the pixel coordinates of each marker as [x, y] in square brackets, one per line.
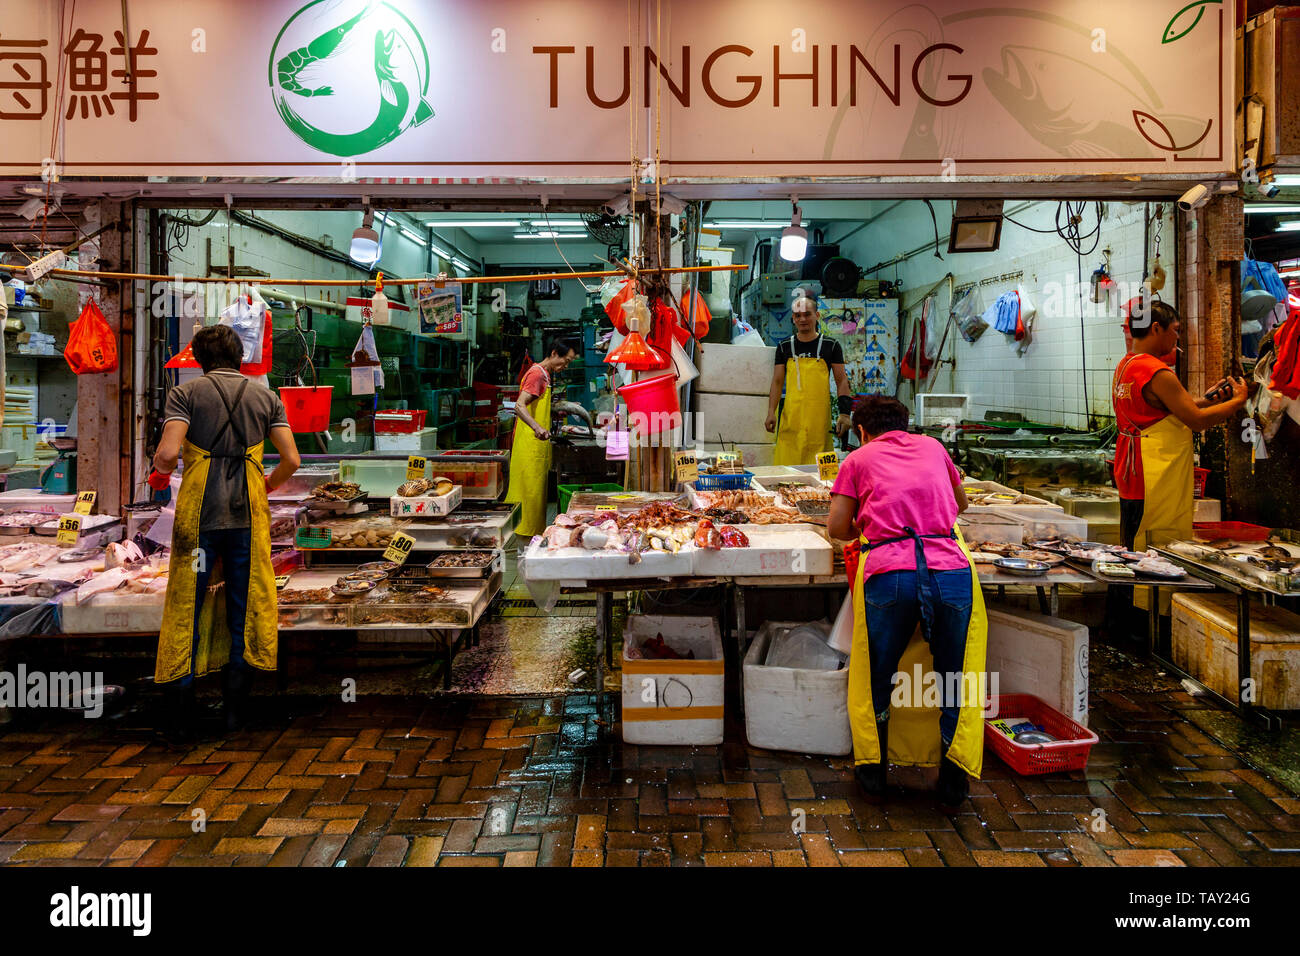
[415, 466]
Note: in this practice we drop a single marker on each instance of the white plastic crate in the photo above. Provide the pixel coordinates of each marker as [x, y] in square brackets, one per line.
[787, 708]
[673, 702]
[935, 408]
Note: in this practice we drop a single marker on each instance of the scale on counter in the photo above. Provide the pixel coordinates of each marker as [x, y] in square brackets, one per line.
[61, 477]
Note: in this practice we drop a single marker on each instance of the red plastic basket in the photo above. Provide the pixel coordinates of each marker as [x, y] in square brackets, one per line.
[1235, 530]
[1199, 477]
[399, 421]
[1068, 752]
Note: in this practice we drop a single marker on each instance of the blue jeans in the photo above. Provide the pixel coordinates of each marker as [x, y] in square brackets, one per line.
[940, 601]
[233, 547]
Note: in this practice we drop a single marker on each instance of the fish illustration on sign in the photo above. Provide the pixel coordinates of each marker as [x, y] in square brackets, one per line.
[397, 60]
[1158, 135]
[1040, 89]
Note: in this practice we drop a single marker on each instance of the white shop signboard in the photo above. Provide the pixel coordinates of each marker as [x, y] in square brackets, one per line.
[541, 89]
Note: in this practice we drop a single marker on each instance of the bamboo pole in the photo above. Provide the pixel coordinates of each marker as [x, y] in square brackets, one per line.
[77, 275]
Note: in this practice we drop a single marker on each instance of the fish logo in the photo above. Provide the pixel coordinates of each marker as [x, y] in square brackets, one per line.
[333, 67]
[1043, 90]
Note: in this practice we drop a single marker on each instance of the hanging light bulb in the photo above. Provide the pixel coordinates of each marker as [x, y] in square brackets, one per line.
[365, 241]
[794, 238]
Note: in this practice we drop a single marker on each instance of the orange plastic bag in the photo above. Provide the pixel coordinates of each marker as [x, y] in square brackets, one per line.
[92, 346]
[697, 313]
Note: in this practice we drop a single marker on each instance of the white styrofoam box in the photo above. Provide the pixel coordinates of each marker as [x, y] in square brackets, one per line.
[769, 552]
[735, 369]
[737, 418]
[114, 612]
[33, 499]
[579, 564]
[1205, 645]
[934, 408]
[400, 507]
[673, 702]
[426, 439]
[1044, 656]
[1208, 509]
[772, 471]
[788, 708]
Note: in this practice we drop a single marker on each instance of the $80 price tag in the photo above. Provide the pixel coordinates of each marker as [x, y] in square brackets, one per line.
[399, 549]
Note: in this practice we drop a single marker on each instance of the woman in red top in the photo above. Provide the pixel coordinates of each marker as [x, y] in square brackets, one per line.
[1156, 418]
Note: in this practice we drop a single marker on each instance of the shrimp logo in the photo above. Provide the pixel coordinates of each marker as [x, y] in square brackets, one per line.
[348, 77]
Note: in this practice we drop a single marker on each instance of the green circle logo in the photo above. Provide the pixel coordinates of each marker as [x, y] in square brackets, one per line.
[349, 77]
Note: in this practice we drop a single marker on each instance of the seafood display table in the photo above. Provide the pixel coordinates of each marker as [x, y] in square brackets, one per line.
[1217, 576]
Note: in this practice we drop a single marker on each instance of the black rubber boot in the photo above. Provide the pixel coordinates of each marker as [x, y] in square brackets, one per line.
[178, 723]
[872, 777]
[954, 784]
[236, 682]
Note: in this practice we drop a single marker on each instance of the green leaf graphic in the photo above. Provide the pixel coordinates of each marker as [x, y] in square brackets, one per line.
[1199, 6]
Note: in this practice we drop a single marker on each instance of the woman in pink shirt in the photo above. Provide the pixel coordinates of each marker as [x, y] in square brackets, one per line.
[899, 495]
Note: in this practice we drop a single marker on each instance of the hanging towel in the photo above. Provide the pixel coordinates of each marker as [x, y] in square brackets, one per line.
[1004, 313]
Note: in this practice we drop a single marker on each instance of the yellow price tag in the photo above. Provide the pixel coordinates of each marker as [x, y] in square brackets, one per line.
[415, 466]
[280, 581]
[69, 529]
[606, 507]
[85, 502]
[688, 468]
[400, 548]
[725, 456]
[828, 465]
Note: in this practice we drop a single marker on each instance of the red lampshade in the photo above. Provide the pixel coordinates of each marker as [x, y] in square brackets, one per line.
[636, 355]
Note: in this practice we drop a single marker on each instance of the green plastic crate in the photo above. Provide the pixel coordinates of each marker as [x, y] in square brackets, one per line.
[568, 491]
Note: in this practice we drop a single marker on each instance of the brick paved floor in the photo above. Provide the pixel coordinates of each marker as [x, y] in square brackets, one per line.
[462, 781]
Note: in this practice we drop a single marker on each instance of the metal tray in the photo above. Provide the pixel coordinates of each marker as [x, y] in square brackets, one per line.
[497, 563]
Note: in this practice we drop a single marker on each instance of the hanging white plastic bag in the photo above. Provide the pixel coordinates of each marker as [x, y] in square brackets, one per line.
[160, 532]
[841, 636]
[682, 364]
[366, 346]
[246, 315]
[967, 310]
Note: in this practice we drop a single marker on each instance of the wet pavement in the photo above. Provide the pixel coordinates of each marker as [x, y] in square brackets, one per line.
[481, 781]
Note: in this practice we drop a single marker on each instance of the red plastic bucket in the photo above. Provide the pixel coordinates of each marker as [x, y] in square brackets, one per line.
[307, 406]
[652, 405]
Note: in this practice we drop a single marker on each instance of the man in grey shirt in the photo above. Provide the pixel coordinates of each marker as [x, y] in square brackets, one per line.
[219, 422]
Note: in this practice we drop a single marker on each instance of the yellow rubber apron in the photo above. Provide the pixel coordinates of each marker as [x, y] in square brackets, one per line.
[530, 463]
[179, 655]
[1168, 506]
[914, 731]
[804, 429]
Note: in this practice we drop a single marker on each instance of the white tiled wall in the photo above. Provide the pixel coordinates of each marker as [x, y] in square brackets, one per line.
[1047, 383]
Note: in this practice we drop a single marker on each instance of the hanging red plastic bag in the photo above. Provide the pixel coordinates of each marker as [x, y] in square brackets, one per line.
[92, 346]
[614, 308]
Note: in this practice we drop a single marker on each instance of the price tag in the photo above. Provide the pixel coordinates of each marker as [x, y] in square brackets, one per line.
[606, 507]
[400, 548]
[280, 581]
[828, 465]
[69, 529]
[415, 466]
[688, 468]
[85, 502]
[727, 456]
